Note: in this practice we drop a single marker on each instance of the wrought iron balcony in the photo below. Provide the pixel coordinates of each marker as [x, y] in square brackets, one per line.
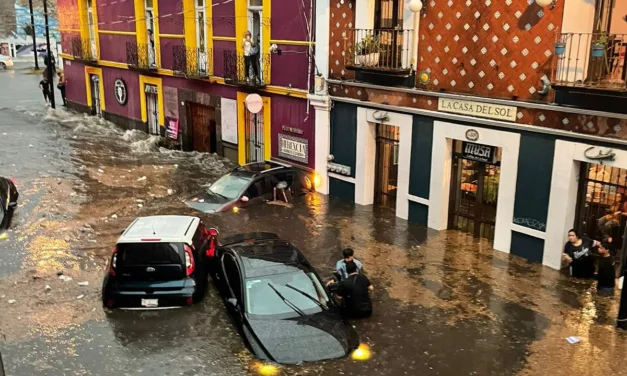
[141, 56]
[84, 49]
[385, 51]
[192, 62]
[251, 71]
[591, 60]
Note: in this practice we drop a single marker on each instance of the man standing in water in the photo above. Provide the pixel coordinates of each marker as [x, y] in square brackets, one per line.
[578, 255]
[354, 291]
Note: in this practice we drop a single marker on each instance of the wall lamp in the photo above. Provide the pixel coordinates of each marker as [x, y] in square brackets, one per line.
[544, 3]
[416, 6]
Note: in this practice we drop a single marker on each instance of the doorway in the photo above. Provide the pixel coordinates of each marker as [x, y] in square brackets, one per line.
[475, 175]
[204, 138]
[94, 80]
[386, 170]
[254, 133]
[152, 109]
[388, 29]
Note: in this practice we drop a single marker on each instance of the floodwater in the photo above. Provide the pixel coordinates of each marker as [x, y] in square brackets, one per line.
[444, 304]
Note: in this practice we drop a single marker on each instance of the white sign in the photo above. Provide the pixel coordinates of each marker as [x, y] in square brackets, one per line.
[295, 148]
[254, 103]
[120, 91]
[229, 120]
[486, 110]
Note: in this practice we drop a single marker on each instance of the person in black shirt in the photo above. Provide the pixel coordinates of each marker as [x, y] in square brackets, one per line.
[578, 254]
[354, 291]
[606, 276]
[45, 89]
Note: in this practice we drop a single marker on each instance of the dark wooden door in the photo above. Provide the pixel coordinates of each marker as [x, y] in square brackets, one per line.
[203, 128]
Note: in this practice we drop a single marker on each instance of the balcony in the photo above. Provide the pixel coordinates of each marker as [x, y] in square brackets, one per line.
[84, 49]
[141, 56]
[380, 56]
[192, 62]
[246, 71]
[591, 71]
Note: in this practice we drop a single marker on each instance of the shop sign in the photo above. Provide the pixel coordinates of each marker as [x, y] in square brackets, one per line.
[172, 128]
[486, 110]
[228, 108]
[151, 89]
[472, 135]
[254, 103]
[294, 148]
[292, 129]
[478, 152]
[120, 91]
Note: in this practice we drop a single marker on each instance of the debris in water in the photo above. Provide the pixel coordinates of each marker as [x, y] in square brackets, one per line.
[170, 192]
[48, 288]
[84, 283]
[573, 340]
[65, 278]
[80, 297]
[142, 178]
[100, 171]
[114, 216]
[201, 200]
[4, 235]
[31, 146]
[11, 301]
[140, 206]
[59, 273]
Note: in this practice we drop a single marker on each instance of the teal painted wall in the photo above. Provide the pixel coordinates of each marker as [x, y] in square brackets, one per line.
[421, 149]
[418, 213]
[344, 134]
[342, 189]
[527, 247]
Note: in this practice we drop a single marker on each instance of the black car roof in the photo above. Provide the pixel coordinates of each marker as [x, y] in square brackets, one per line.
[267, 254]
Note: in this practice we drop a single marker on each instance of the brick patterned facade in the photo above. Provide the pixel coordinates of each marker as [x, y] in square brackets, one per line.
[342, 19]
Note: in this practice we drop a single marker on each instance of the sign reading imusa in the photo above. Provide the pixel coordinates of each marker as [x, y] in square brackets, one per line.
[478, 152]
[486, 110]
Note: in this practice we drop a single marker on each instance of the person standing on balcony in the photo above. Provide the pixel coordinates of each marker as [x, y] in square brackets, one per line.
[250, 52]
[151, 48]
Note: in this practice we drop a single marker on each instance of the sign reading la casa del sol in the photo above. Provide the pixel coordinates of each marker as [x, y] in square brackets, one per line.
[485, 110]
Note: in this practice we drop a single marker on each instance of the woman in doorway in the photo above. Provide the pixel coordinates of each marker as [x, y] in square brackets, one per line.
[250, 52]
[61, 87]
[578, 255]
[614, 216]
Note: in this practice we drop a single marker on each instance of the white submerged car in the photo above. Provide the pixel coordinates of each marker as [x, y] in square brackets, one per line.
[6, 61]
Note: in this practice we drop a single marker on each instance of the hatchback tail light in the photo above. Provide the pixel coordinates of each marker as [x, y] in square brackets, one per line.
[189, 261]
[12, 180]
[211, 251]
[114, 261]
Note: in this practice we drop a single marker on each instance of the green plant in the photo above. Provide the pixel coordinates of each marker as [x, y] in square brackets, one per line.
[368, 44]
[602, 41]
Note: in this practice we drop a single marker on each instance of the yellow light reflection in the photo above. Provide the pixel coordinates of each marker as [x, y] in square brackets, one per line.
[266, 369]
[4, 235]
[235, 209]
[317, 180]
[362, 352]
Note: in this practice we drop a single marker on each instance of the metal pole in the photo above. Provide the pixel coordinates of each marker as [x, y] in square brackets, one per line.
[51, 61]
[32, 24]
[622, 309]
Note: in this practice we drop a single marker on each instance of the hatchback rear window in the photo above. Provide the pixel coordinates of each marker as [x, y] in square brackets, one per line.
[151, 253]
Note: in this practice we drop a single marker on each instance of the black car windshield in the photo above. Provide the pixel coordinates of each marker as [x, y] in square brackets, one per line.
[262, 302]
[229, 186]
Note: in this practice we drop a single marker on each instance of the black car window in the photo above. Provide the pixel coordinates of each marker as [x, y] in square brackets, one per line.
[286, 176]
[232, 274]
[258, 188]
[151, 253]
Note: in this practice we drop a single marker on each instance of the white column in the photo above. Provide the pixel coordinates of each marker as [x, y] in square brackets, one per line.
[322, 37]
[322, 130]
[365, 159]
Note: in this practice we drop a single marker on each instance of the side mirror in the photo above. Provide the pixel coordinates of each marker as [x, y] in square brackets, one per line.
[244, 199]
[232, 302]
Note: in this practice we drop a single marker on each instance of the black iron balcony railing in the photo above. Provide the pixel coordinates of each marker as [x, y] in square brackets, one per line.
[84, 49]
[591, 60]
[384, 50]
[141, 56]
[246, 70]
[192, 62]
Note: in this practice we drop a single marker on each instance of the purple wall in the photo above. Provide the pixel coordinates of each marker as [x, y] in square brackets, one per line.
[224, 19]
[218, 56]
[116, 16]
[75, 78]
[292, 113]
[66, 41]
[288, 20]
[132, 109]
[171, 24]
[113, 47]
[167, 51]
[201, 86]
[290, 67]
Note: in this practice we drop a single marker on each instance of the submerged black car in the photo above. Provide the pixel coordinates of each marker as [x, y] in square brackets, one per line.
[277, 301]
[8, 201]
[248, 185]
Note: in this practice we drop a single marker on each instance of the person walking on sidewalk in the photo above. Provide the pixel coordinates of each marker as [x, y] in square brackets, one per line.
[61, 87]
[44, 86]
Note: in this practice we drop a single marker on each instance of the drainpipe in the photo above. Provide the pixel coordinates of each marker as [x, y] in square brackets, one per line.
[415, 7]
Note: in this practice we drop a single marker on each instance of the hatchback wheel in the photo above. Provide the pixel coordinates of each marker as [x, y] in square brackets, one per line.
[3, 65]
[3, 215]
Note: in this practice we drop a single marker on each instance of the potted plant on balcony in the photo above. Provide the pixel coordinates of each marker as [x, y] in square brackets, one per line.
[599, 47]
[368, 51]
[560, 47]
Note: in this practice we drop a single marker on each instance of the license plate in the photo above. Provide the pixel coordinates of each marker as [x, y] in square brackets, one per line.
[149, 303]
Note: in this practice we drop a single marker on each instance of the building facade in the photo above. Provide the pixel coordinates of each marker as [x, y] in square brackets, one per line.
[180, 69]
[503, 119]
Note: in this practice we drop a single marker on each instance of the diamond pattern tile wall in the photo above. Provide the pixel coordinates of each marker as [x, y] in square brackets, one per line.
[342, 18]
[496, 43]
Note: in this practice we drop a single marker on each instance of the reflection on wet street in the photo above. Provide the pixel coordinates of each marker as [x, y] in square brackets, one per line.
[444, 304]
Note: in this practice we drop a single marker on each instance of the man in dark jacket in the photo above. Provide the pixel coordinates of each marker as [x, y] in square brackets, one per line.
[354, 292]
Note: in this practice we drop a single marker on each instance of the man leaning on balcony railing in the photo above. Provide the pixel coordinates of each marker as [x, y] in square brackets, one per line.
[251, 58]
[152, 61]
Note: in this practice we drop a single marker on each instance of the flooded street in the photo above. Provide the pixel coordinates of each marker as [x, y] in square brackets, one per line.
[444, 304]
